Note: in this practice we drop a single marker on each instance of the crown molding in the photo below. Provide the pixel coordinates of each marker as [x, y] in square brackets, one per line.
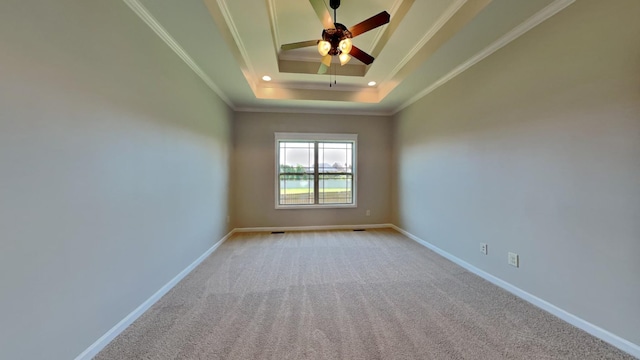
[442, 20]
[233, 29]
[542, 15]
[319, 86]
[392, 11]
[273, 22]
[151, 21]
[285, 110]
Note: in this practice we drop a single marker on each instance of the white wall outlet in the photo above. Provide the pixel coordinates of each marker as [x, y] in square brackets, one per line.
[484, 248]
[368, 213]
[514, 260]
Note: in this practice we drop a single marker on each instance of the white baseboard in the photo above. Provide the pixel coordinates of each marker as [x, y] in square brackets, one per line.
[105, 339]
[312, 228]
[615, 340]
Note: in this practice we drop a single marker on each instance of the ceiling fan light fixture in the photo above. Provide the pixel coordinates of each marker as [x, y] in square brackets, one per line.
[344, 58]
[336, 38]
[345, 45]
[324, 47]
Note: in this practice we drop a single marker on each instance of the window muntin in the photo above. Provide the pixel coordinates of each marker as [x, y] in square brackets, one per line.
[315, 170]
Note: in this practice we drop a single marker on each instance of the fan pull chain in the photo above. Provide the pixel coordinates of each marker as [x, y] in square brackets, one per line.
[335, 76]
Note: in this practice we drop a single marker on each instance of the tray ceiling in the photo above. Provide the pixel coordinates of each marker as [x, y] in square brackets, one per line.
[231, 45]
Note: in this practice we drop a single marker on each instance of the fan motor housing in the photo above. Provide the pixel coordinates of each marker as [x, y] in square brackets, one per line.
[334, 36]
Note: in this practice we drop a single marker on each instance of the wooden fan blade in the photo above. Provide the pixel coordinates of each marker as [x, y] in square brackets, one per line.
[323, 13]
[323, 69]
[326, 60]
[370, 24]
[324, 64]
[361, 55]
[298, 45]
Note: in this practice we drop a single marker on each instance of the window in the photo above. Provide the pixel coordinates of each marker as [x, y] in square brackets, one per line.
[315, 170]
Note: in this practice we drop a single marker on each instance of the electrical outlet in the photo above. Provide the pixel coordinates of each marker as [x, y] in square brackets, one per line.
[228, 219]
[484, 248]
[368, 212]
[513, 259]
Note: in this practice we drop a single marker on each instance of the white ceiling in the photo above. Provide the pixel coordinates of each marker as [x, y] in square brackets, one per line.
[231, 44]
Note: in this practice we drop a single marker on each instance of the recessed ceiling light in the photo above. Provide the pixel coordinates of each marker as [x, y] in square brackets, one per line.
[372, 83]
[266, 78]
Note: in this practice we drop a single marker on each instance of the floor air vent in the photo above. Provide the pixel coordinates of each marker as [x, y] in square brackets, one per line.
[277, 232]
[359, 230]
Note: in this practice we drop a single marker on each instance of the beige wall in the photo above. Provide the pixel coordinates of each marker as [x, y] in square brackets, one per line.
[254, 169]
[536, 150]
[114, 164]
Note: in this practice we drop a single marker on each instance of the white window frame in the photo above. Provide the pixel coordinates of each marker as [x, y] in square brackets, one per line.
[284, 136]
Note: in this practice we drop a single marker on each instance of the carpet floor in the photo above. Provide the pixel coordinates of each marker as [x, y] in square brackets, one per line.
[344, 295]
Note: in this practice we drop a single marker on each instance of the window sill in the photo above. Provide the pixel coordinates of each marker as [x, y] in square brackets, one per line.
[314, 207]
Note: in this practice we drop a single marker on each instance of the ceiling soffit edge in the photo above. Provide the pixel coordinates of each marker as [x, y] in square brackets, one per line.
[395, 10]
[533, 21]
[307, 67]
[286, 110]
[446, 30]
[315, 94]
[273, 24]
[446, 16]
[222, 18]
[401, 8]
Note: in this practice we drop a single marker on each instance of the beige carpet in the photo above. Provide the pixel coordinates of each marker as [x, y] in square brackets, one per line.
[344, 295]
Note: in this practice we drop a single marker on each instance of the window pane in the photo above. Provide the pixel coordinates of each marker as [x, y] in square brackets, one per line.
[296, 162]
[335, 157]
[335, 189]
[296, 157]
[296, 189]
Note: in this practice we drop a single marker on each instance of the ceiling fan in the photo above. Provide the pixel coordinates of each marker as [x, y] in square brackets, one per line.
[336, 38]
